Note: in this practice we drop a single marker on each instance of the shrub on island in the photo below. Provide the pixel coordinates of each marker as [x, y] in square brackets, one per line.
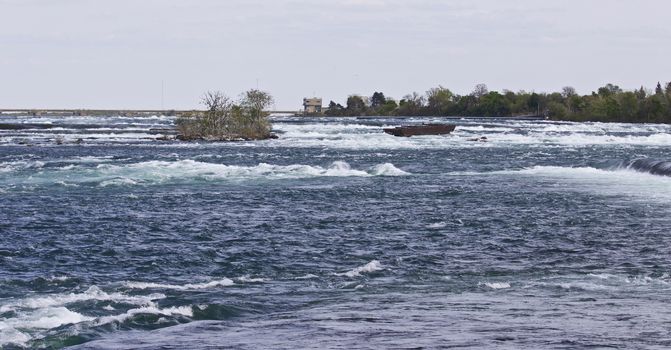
[227, 120]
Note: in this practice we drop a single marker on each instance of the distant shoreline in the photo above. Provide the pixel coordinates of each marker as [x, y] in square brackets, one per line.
[33, 112]
[46, 112]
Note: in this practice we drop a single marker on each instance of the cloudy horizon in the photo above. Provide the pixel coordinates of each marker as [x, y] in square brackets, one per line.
[165, 53]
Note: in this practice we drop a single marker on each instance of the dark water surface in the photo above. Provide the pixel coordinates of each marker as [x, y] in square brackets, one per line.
[549, 235]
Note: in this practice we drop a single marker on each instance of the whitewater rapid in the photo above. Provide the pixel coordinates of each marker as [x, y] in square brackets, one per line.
[543, 234]
[99, 172]
[343, 133]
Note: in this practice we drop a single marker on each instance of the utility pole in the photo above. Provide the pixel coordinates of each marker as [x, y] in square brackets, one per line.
[162, 95]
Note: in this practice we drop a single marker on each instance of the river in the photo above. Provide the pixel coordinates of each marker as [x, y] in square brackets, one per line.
[549, 235]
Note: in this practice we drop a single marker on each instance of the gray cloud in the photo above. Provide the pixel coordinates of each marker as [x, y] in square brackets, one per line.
[115, 54]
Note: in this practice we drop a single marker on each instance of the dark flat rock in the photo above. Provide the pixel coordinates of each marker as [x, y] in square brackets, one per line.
[424, 129]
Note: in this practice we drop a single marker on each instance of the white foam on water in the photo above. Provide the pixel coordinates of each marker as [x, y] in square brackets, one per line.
[370, 267]
[344, 134]
[171, 311]
[86, 137]
[579, 139]
[496, 285]
[600, 282]
[602, 276]
[437, 225]
[506, 133]
[151, 172]
[640, 280]
[247, 279]
[120, 181]
[338, 168]
[224, 282]
[321, 129]
[91, 159]
[33, 316]
[11, 335]
[51, 317]
[572, 284]
[387, 169]
[16, 330]
[65, 184]
[92, 293]
[58, 278]
[6, 167]
[616, 182]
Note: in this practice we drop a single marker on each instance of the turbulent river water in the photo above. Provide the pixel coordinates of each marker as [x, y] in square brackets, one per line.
[336, 235]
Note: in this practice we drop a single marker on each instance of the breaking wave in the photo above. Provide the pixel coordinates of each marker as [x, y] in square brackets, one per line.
[601, 282]
[32, 318]
[608, 181]
[655, 167]
[370, 267]
[155, 171]
[224, 282]
[496, 285]
[498, 134]
[170, 311]
[37, 314]
[92, 293]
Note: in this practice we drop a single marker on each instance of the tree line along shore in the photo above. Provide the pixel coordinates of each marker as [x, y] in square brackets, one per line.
[246, 118]
[609, 103]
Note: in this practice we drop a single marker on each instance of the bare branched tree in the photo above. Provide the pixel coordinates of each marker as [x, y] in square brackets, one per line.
[568, 91]
[480, 90]
[218, 112]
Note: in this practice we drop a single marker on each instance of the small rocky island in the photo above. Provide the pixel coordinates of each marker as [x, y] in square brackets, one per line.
[228, 120]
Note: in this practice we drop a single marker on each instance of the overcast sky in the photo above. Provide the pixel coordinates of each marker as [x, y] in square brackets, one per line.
[119, 53]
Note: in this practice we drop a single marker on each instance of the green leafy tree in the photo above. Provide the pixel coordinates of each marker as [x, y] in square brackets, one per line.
[335, 109]
[576, 104]
[466, 105]
[641, 94]
[377, 100]
[388, 108]
[254, 104]
[534, 103]
[608, 103]
[557, 110]
[411, 105]
[628, 106]
[439, 100]
[658, 89]
[609, 90]
[355, 105]
[494, 104]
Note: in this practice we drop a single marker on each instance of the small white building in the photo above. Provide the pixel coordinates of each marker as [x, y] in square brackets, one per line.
[312, 105]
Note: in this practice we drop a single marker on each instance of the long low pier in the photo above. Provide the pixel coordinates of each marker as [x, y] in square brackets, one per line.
[176, 113]
[107, 112]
